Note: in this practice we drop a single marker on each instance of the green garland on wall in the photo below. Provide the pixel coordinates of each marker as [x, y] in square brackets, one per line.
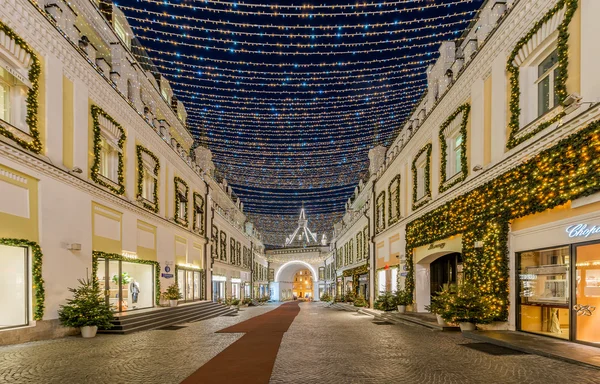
[183, 221]
[35, 145]
[464, 168]
[37, 257]
[425, 199]
[562, 72]
[115, 256]
[568, 170]
[140, 150]
[359, 246]
[380, 212]
[394, 194]
[198, 207]
[97, 147]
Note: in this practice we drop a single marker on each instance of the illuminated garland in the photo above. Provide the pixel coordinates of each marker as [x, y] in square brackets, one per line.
[37, 258]
[198, 208]
[560, 87]
[291, 46]
[394, 193]
[35, 145]
[380, 212]
[359, 246]
[568, 170]
[198, 21]
[291, 36]
[115, 256]
[232, 250]
[180, 220]
[464, 168]
[153, 206]
[399, 47]
[426, 197]
[304, 15]
[97, 147]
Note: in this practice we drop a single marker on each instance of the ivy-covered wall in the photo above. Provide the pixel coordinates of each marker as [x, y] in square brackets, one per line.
[568, 170]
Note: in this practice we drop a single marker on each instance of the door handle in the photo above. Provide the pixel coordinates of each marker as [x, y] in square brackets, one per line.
[584, 310]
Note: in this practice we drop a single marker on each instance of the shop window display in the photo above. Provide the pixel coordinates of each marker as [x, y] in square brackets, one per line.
[587, 295]
[127, 285]
[14, 291]
[544, 292]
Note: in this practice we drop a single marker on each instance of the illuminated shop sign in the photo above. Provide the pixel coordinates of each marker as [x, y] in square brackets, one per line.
[582, 230]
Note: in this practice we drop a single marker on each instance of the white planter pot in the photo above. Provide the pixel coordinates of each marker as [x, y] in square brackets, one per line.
[401, 308]
[440, 320]
[88, 331]
[172, 303]
[466, 326]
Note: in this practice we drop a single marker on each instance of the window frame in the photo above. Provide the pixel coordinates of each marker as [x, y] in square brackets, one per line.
[143, 170]
[118, 186]
[394, 197]
[421, 169]
[453, 127]
[181, 216]
[380, 212]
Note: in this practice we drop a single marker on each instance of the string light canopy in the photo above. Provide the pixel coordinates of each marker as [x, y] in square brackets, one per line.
[290, 97]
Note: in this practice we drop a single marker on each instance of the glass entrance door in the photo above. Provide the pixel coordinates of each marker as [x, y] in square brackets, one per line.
[586, 308]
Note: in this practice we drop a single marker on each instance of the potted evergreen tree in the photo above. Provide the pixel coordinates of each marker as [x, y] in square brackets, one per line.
[173, 295]
[385, 302]
[467, 308]
[403, 298]
[360, 301]
[87, 309]
[439, 302]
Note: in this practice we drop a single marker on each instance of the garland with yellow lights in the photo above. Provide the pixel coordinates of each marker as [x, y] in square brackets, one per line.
[35, 145]
[560, 87]
[359, 246]
[153, 206]
[394, 197]
[97, 147]
[198, 207]
[426, 197]
[568, 170]
[464, 168]
[115, 256]
[37, 257]
[180, 220]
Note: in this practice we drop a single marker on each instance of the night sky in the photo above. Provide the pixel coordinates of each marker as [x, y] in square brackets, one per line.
[291, 97]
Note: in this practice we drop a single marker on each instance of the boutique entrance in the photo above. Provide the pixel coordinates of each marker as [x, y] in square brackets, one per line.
[190, 284]
[126, 285]
[445, 270]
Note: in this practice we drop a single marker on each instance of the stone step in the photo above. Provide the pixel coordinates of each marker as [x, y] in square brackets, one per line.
[167, 316]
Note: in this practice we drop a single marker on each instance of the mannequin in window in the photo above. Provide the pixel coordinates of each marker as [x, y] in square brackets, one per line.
[134, 288]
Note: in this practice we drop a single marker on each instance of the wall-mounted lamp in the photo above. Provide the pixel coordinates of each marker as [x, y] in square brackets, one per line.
[477, 168]
[76, 170]
[478, 244]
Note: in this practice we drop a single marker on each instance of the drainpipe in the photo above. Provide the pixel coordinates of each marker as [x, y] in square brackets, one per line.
[252, 270]
[372, 248]
[207, 248]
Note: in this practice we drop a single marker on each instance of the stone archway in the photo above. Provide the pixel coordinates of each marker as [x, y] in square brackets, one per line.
[284, 276]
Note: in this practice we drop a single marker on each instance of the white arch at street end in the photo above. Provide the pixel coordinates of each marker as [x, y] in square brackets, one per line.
[304, 263]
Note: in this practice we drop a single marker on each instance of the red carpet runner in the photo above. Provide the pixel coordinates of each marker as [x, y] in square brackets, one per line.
[249, 360]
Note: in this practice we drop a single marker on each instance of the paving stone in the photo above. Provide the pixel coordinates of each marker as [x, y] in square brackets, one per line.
[321, 346]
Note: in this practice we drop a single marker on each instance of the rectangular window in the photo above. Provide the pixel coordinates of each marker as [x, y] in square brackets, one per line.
[547, 73]
[13, 100]
[109, 158]
[544, 291]
[14, 287]
[453, 163]
[421, 180]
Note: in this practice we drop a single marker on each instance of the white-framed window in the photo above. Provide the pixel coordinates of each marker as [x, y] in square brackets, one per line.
[182, 205]
[420, 165]
[109, 157]
[454, 154]
[547, 98]
[13, 100]
[149, 179]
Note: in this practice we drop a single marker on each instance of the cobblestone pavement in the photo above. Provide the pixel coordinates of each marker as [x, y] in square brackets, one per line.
[158, 356]
[323, 345]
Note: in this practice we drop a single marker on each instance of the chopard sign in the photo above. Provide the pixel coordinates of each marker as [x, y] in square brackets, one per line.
[582, 230]
[438, 245]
